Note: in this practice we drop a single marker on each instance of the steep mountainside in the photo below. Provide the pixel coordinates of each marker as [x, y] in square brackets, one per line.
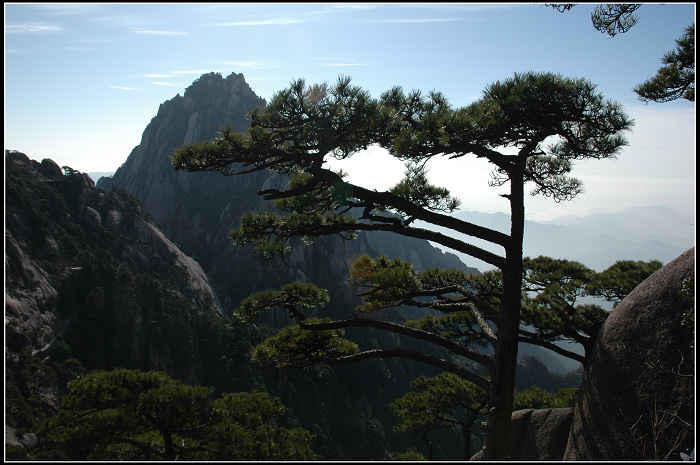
[93, 270]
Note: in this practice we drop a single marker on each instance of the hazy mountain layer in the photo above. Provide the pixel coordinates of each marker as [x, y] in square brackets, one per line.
[598, 241]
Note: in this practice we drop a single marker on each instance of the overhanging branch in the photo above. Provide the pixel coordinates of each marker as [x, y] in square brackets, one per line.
[531, 338]
[356, 322]
[413, 355]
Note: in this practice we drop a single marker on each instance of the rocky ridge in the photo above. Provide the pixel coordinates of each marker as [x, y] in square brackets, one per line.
[63, 235]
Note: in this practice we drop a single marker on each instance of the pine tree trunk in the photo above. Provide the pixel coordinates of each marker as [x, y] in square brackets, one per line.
[467, 435]
[497, 435]
[169, 450]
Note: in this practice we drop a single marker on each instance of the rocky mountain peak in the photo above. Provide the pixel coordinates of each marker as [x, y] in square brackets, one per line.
[197, 210]
[208, 104]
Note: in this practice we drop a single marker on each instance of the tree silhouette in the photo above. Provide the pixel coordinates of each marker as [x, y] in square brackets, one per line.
[676, 79]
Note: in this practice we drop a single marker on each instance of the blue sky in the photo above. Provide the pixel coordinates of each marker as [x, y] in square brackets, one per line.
[82, 81]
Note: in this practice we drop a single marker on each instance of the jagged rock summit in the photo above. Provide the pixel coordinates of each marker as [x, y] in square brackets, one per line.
[208, 104]
[197, 210]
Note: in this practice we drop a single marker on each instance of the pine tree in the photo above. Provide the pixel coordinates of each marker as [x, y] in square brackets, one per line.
[676, 79]
[443, 401]
[132, 415]
[548, 120]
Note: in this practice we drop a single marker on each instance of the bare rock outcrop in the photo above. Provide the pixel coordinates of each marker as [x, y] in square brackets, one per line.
[59, 231]
[538, 434]
[28, 440]
[637, 398]
[30, 299]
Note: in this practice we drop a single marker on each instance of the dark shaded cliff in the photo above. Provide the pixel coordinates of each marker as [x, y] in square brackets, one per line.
[90, 271]
[92, 283]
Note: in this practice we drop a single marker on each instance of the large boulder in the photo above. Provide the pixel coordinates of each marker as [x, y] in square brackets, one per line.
[538, 434]
[637, 397]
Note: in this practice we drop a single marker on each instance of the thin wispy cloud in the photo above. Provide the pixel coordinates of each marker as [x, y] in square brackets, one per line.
[248, 64]
[460, 7]
[32, 28]
[78, 49]
[96, 41]
[67, 8]
[195, 71]
[175, 74]
[124, 88]
[353, 7]
[265, 22]
[343, 64]
[158, 32]
[129, 21]
[414, 20]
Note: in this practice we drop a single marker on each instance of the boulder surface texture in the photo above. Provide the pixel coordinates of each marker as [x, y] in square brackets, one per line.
[637, 397]
[538, 434]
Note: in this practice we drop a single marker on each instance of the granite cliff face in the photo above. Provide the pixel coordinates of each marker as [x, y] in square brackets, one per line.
[208, 104]
[197, 210]
[78, 262]
[92, 283]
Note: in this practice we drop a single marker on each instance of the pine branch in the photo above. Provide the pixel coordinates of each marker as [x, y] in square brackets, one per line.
[413, 355]
[532, 338]
[357, 322]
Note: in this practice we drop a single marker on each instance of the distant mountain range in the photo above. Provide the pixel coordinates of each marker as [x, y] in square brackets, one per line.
[599, 240]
